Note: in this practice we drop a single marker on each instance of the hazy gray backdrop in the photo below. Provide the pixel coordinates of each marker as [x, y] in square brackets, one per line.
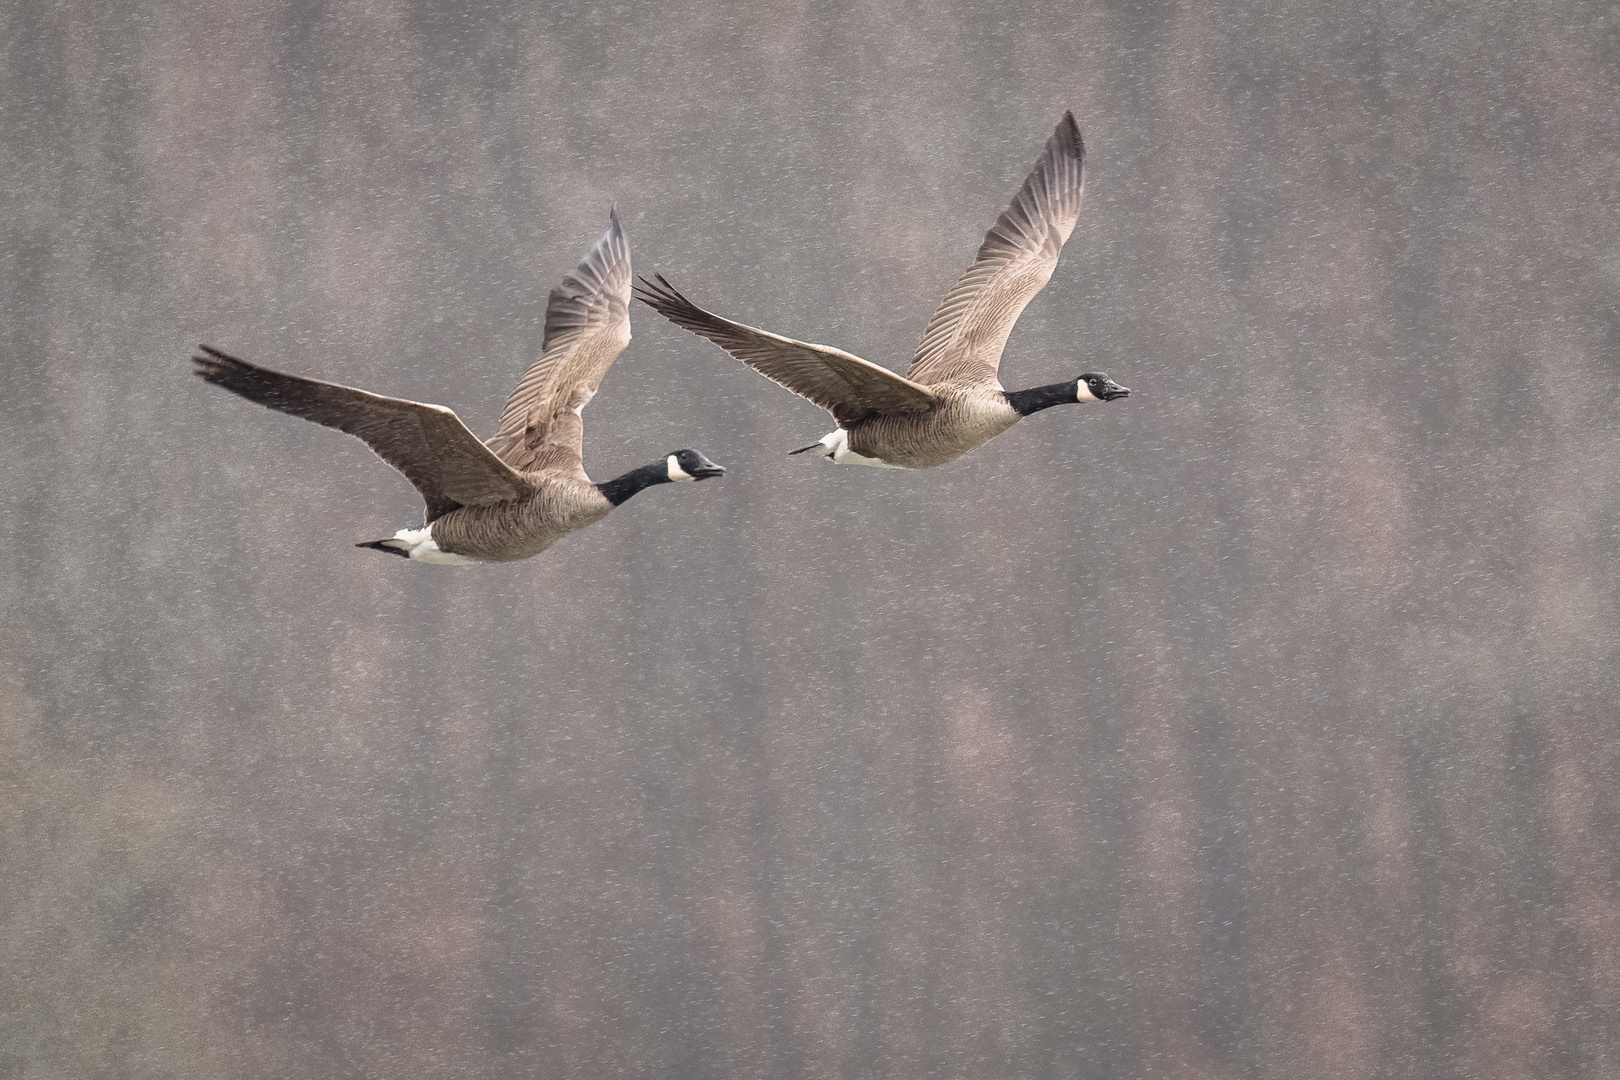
[1266, 724]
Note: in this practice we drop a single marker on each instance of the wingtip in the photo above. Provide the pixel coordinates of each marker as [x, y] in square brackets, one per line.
[210, 362]
[655, 290]
[1069, 132]
[615, 238]
[611, 248]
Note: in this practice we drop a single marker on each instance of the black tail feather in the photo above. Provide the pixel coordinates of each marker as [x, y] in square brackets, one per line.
[383, 545]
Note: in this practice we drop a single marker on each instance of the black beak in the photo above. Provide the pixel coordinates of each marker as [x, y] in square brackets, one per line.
[706, 468]
[1112, 390]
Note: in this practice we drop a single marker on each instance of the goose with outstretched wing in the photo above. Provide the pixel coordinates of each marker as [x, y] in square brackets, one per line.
[950, 399]
[526, 488]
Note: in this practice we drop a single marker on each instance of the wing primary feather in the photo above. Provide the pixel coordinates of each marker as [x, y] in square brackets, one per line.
[428, 443]
[587, 327]
[840, 382]
[965, 338]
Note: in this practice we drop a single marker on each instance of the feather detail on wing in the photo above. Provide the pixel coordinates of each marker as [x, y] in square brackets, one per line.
[428, 443]
[587, 327]
[965, 337]
[840, 382]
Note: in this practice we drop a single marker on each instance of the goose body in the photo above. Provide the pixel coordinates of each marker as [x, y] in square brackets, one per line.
[951, 398]
[525, 489]
[965, 417]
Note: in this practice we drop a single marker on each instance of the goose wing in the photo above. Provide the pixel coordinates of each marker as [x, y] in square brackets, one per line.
[587, 327]
[965, 337]
[428, 443]
[843, 384]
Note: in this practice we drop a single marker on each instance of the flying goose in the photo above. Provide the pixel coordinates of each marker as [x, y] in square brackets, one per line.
[950, 399]
[525, 489]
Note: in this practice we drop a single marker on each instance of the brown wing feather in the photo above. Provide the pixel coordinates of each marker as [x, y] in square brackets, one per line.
[840, 382]
[428, 443]
[587, 327]
[965, 337]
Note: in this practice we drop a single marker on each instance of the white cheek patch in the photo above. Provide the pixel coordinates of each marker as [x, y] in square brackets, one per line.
[1082, 392]
[675, 471]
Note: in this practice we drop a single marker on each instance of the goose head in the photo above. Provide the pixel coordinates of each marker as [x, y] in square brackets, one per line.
[691, 465]
[1095, 386]
[679, 466]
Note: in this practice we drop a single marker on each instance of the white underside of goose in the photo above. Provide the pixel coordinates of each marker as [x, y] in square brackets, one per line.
[835, 445]
[419, 544]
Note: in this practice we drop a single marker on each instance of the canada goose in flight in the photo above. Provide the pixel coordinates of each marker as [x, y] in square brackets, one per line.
[520, 493]
[950, 399]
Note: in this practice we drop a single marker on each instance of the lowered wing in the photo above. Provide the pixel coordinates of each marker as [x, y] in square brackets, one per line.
[843, 384]
[428, 443]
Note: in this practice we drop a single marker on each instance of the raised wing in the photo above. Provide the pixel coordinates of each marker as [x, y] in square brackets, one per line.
[965, 337]
[587, 327]
[428, 443]
[843, 384]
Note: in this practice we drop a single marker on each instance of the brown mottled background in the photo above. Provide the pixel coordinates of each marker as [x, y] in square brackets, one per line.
[1264, 725]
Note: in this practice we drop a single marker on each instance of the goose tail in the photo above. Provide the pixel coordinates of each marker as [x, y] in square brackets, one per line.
[390, 545]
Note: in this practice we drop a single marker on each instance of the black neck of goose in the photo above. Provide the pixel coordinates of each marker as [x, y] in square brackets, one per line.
[617, 491]
[1037, 398]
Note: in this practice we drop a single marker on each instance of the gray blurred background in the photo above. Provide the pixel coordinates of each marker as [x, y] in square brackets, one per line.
[1264, 725]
